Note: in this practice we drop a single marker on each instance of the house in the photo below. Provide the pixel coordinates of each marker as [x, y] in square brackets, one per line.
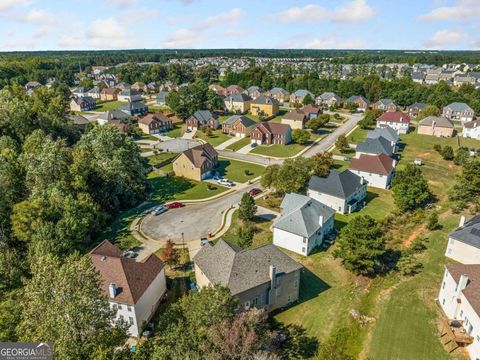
[79, 92]
[140, 86]
[85, 103]
[436, 126]
[376, 169]
[295, 118]
[134, 108]
[152, 87]
[471, 129]
[414, 109]
[311, 111]
[161, 98]
[197, 163]
[303, 225]
[129, 95]
[238, 125]
[459, 297]
[264, 106]
[155, 123]
[254, 92]
[279, 94]
[105, 117]
[201, 119]
[458, 111]
[379, 145]
[344, 191]
[133, 288]
[233, 90]
[432, 79]
[238, 103]
[299, 95]
[123, 86]
[361, 102]
[385, 105]
[328, 99]
[79, 121]
[397, 120]
[387, 133]
[460, 80]
[109, 94]
[219, 90]
[122, 126]
[269, 133]
[464, 243]
[263, 277]
[94, 92]
[418, 77]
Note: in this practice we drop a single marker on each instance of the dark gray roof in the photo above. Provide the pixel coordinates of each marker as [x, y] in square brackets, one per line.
[246, 121]
[204, 115]
[241, 270]
[262, 99]
[386, 132]
[338, 184]
[133, 105]
[460, 107]
[113, 114]
[375, 146]
[386, 101]
[469, 233]
[355, 97]
[277, 90]
[242, 97]
[303, 93]
[417, 105]
[79, 119]
[129, 92]
[329, 95]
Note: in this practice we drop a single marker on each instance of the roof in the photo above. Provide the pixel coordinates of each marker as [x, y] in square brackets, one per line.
[149, 118]
[162, 95]
[277, 90]
[300, 215]
[394, 116]
[375, 164]
[375, 146]
[79, 119]
[241, 270]
[471, 124]
[439, 121]
[234, 88]
[385, 132]
[386, 101]
[132, 278]
[295, 114]
[311, 109]
[110, 90]
[472, 290]
[328, 96]
[338, 184]
[417, 105]
[132, 105]
[245, 120]
[113, 114]
[469, 233]
[200, 154]
[460, 107]
[254, 88]
[354, 98]
[129, 92]
[265, 100]
[302, 93]
[204, 115]
[273, 128]
[238, 98]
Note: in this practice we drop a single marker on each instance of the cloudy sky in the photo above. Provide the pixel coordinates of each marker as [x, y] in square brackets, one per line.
[320, 24]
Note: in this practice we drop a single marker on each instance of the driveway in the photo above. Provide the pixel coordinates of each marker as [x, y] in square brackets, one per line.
[193, 220]
[176, 145]
[227, 143]
[189, 135]
[246, 149]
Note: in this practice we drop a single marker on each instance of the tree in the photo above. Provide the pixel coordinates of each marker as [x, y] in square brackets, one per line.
[246, 235]
[321, 163]
[432, 221]
[247, 208]
[360, 245]
[410, 188]
[429, 110]
[447, 153]
[461, 156]
[269, 176]
[369, 118]
[293, 175]
[170, 254]
[408, 265]
[308, 99]
[467, 185]
[63, 303]
[300, 136]
[342, 144]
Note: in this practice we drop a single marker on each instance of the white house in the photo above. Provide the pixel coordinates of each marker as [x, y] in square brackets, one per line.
[343, 191]
[376, 169]
[386, 133]
[458, 111]
[464, 243]
[134, 288]
[129, 95]
[108, 115]
[303, 225]
[471, 129]
[397, 120]
[459, 297]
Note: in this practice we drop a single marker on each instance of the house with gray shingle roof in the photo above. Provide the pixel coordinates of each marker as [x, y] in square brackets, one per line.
[303, 225]
[464, 243]
[385, 105]
[279, 94]
[328, 99]
[299, 95]
[263, 277]
[343, 191]
[471, 129]
[458, 111]
[238, 103]
[361, 102]
[414, 109]
[387, 133]
[374, 147]
[201, 119]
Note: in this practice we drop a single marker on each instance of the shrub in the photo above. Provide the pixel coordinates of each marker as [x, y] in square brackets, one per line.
[408, 265]
[432, 222]
[437, 148]
[447, 153]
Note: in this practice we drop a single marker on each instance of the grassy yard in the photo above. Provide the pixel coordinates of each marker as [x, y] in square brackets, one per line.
[160, 157]
[262, 234]
[282, 151]
[339, 165]
[358, 135]
[109, 105]
[239, 144]
[235, 170]
[215, 139]
[177, 131]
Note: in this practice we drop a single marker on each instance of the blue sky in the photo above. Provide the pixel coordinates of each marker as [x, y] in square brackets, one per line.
[321, 24]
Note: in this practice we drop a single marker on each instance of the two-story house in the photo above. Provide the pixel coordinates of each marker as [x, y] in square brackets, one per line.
[436, 126]
[458, 111]
[238, 125]
[471, 129]
[155, 123]
[464, 243]
[197, 163]
[201, 119]
[378, 169]
[270, 133]
[385, 105]
[397, 120]
[238, 103]
[361, 102]
[264, 106]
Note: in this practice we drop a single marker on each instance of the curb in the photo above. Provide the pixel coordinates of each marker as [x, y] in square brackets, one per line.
[219, 231]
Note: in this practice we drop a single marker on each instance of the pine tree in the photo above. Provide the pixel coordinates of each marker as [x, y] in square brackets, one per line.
[247, 209]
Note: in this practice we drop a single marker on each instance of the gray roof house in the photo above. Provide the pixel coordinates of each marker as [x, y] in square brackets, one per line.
[458, 111]
[374, 147]
[278, 90]
[328, 98]
[263, 277]
[161, 98]
[387, 133]
[464, 243]
[303, 225]
[134, 108]
[343, 191]
[414, 109]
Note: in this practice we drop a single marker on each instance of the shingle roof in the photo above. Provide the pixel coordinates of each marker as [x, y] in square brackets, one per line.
[460, 107]
[329, 95]
[440, 121]
[204, 115]
[375, 164]
[133, 105]
[375, 146]
[417, 105]
[471, 124]
[385, 132]
[472, 290]
[132, 278]
[149, 118]
[273, 128]
[245, 120]
[469, 233]
[79, 119]
[200, 154]
[295, 114]
[300, 215]
[303, 93]
[386, 101]
[394, 116]
[353, 98]
[113, 114]
[238, 98]
[262, 99]
[338, 184]
[129, 92]
[241, 270]
[277, 90]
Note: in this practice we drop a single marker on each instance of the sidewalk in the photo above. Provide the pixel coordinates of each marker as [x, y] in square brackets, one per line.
[189, 135]
[227, 143]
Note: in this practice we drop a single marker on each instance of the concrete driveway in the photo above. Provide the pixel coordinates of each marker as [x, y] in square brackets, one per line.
[246, 149]
[189, 135]
[176, 145]
[227, 143]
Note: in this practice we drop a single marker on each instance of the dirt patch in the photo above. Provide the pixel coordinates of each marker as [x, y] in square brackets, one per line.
[417, 231]
[425, 154]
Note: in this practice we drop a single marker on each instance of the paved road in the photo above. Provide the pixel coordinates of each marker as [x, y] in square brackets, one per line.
[194, 220]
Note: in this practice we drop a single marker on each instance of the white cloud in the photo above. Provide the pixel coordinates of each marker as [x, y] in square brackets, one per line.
[307, 13]
[353, 11]
[108, 33]
[231, 17]
[444, 39]
[133, 16]
[182, 38]
[120, 3]
[38, 16]
[465, 9]
[7, 4]
[332, 42]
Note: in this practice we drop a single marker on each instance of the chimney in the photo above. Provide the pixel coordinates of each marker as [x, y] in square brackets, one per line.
[320, 220]
[433, 124]
[462, 221]
[462, 283]
[362, 180]
[273, 275]
[112, 290]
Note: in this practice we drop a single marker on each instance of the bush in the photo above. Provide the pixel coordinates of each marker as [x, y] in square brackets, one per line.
[246, 236]
[447, 153]
[432, 222]
[300, 136]
[437, 148]
[408, 265]
[419, 244]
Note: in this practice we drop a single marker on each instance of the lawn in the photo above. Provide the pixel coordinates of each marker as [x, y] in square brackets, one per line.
[235, 170]
[109, 105]
[239, 144]
[177, 131]
[340, 166]
[358, 135]
[215, 139]
[159, 158]
[262, 234]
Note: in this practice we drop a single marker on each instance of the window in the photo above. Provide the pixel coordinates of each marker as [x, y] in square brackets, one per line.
[121, 317]
[443, 286]
[443, 302]
[295, 283]
[449, 251]
[131, 320]
[119, 306]
[304, 240]
[255, 301]
[461, 314]
[303, 250]
[129, 308]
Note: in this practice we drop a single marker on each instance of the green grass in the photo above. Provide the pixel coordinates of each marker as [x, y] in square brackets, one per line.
[262, 234]
[239, 144]
[109, 105]
[215, 139]
[157, 108]
[358, 135]
[235, 170]
[177, 131]
[339, 165]
[280, 151]
[160, 157]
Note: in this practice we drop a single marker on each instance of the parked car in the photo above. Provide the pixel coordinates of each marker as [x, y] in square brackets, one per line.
[159, 210]
[175, 205]
[203, 241]
[188, 131]
[254, 191]
[225, 182]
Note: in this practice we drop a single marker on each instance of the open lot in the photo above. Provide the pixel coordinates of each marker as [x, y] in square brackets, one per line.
[215, 139]
[239, 171]
[109, 105]
[239, 144]
[283, 151]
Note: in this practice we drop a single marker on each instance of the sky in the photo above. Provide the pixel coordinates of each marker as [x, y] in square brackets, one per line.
[209, 24]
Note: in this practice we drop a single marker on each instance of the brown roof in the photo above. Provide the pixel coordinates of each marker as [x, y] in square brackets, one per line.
[311, 109]
[394, 116]
[132, 278]
[295, 114]
[472, 290]
[201, 153]
[121, 126]
[471, 124]
[110, 91]
[149, 118]
[272, 128]
[376, 164]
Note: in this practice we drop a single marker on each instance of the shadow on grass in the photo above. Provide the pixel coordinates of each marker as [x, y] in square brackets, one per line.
[222, 166]
[370, 196]
[164, 188]
[311, 286]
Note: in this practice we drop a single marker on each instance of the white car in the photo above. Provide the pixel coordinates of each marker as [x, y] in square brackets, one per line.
[159, 210]
[225, 182]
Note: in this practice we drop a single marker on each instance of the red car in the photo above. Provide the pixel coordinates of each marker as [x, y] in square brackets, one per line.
[174, 205]
[254, 191]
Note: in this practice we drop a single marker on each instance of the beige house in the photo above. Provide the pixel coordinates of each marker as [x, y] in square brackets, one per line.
[295, 118]
[155, 123]
[264, 106]
[238, 103]
[464, 242]
[197, 163]
[109, 94]
[263, 277]
[436, 126]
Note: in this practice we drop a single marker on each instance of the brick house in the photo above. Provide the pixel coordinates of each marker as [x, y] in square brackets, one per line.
[269, 133]
[238, 125]
[201, 119]
[155, 123]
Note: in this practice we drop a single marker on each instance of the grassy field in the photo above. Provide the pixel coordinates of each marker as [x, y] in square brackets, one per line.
[160, 157]
[215, 139]
[262, 234]
[235, 170]
[109, 105]
[282, 151]
[239, 144]
[339, 165]
[177, 131]
[358, 135]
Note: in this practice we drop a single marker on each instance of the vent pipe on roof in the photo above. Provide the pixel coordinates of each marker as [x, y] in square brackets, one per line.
[462, 221]
[112, 290]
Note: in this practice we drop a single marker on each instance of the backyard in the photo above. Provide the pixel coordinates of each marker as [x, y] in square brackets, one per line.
[108, 105]
[216, 138]
[262, 234]
[239, 171]
[283, 151]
